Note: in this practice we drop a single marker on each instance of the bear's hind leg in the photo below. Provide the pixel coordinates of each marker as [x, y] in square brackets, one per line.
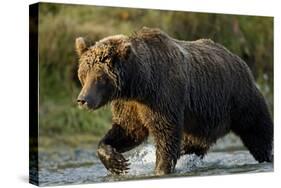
[255, 128]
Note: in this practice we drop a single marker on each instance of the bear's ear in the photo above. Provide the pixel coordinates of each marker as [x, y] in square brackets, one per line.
[80, 45]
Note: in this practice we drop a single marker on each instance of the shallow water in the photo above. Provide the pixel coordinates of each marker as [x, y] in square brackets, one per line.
[75, 166]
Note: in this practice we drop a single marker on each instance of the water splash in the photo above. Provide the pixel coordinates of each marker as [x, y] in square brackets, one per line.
[83, 166]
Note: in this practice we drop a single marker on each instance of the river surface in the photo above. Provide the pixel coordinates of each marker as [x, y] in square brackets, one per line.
[81, 165]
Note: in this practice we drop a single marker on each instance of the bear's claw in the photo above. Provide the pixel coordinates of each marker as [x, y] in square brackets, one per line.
[113, 160]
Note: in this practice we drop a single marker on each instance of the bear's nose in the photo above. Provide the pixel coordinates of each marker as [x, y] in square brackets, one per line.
[81, 101]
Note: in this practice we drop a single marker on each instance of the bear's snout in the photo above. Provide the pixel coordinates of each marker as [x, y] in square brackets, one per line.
[81, 102]
[88, 101]
[84, 101]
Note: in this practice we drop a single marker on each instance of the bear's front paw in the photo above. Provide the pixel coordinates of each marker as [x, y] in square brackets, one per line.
[113, 160]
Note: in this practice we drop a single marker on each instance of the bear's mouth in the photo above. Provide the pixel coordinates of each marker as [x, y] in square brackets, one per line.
[89, 106]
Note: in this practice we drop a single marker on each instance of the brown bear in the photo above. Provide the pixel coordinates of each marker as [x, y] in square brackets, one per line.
[187, 94]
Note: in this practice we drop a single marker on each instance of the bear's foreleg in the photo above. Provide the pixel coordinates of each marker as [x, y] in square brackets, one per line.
[167, 139]
[116, 141]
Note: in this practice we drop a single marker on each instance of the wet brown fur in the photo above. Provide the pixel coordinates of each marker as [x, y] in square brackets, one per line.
[185, 94]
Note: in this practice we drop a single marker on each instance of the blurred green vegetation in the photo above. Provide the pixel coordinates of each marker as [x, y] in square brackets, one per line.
[250, 37]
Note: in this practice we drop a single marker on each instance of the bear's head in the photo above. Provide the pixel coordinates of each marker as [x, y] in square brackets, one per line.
[101, 69]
